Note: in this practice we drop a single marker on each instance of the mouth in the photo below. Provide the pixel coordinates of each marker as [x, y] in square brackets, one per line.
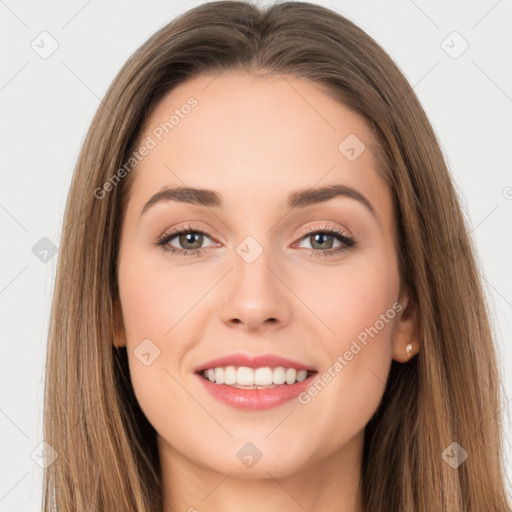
[254, 382]
[264, 377]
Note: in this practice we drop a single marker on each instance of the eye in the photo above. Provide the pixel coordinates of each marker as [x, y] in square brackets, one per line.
[188, 237]
[190, 241]
[322, 241]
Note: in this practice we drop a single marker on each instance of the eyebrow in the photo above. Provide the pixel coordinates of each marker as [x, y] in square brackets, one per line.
[298, 199]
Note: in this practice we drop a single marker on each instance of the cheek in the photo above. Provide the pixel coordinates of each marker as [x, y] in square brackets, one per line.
[359, 307]
[353, 300]
[150, 309]
[152, 303]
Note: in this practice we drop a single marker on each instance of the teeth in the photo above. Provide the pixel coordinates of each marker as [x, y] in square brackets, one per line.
[263, 376]
[244, 376]
[301, 375]
[279, 375]
[229, 375]
[219, 375]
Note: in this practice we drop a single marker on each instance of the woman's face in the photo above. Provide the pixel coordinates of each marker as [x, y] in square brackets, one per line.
[264, 267]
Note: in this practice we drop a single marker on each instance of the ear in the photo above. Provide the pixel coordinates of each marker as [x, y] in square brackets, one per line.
[407, 329]
[119, 330]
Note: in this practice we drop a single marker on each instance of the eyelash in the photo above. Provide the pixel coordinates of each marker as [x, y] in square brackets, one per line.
[166, 237]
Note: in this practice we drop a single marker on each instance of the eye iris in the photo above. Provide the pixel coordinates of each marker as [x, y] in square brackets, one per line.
[321, 237]
[189, 237]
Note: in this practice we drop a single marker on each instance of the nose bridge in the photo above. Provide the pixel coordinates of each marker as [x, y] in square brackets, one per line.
[254, 295]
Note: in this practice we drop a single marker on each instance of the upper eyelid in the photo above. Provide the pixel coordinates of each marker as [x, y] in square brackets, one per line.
[303, 232]
[348, 242]
[324, 227]
[339, 233]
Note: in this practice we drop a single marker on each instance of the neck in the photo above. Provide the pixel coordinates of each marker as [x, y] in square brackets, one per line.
[327, 485]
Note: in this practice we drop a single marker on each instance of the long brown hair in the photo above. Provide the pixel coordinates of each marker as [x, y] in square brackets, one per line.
[450, 392]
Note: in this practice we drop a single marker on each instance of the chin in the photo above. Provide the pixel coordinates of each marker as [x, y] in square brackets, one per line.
[259, 459]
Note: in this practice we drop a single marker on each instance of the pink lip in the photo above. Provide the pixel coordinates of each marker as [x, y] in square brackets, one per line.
[254, 399]
[253, 362]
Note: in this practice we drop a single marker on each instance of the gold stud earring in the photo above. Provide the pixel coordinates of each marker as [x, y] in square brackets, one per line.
[408, 349]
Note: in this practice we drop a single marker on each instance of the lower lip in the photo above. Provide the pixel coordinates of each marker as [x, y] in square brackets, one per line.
[254, 399]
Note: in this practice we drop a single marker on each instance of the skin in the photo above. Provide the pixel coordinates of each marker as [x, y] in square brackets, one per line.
[254, 140]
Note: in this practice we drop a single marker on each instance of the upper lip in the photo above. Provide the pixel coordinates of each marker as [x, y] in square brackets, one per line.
[259, 361]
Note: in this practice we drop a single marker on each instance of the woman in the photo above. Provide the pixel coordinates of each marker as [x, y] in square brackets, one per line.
[248, 371]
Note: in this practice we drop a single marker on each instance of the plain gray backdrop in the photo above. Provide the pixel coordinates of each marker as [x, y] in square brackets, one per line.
[57, 61]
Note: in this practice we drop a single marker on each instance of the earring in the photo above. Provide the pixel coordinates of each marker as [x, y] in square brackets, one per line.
[408, 349]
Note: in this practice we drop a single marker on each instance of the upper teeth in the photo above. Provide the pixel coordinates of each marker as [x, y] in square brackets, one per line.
[246, 376]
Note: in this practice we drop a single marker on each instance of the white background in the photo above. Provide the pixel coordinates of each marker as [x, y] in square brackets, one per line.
[47, 104]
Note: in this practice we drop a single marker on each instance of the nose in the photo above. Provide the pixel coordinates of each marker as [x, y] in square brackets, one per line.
[254, 296]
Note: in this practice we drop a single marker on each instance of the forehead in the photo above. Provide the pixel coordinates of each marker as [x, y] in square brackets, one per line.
[255, 139]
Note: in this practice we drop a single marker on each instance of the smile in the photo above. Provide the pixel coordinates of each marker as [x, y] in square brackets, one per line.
[254, 383]
[243, 377]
